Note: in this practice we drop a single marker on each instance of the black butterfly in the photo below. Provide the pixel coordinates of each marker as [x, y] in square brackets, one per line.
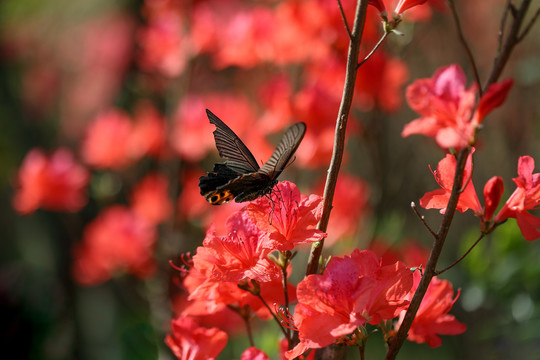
[240, 178]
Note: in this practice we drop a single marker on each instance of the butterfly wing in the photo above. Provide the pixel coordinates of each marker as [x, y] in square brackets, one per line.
[284, 151]
[231, 148]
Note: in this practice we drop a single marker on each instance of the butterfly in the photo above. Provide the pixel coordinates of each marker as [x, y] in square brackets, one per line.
[240, 177]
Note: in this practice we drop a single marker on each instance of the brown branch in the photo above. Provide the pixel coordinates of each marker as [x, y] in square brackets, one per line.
[429, 272]
[345, 20]
[529, 25]
[500, 36]
[510, 42]
[465, 45]
[379, 43]
[500, 62]
[423, 219]
[341, 126]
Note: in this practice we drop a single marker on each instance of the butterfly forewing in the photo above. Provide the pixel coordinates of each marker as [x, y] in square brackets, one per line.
[284, 151]
[231, 148]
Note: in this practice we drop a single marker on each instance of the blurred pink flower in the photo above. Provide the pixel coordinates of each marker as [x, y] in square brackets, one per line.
[164, 45]
[55, 182]
[149, 135]
[117, 240]
[150, 200]
[107, 141]
[190, 341]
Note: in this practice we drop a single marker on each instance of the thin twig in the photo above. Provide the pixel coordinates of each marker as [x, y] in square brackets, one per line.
[482, 235]
[509, 43]
[529, 25]
[341, 126]
[286, 296]
[273, 315]
[500, 37]
[465, 45]
[374, 49]
[345, 20]
[249, 331]
[422, 219]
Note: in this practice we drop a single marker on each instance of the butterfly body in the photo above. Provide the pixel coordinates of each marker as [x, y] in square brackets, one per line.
[241, 178]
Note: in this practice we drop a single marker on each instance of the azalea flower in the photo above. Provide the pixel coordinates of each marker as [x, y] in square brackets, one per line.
[150, 199]
[353, 290]
[149, 135]
[349, 207]
[190, 341]
[525, 197]
[288, 219]
[213, 295]
[444, 175]
[400, 7]
[164, 45]
[432, 318]
[117, 240]
[56, 182]
[493, 191]
[252, 353]
[447, 107]
[107, 141]
[239, 255]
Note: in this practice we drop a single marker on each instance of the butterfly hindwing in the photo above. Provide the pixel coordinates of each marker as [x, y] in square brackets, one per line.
[223, 184]
[240, 178]
[231, 148]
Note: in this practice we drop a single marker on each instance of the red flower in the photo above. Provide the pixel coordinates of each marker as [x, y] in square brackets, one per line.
[107, 142]
[290, 218]
[352, 291]
[493, 191]
[150, 200]
[432, 318]
[149, 135]
[192, 135]
[407, 4]
[215, 294]
[316, 105]
[525, 197]
[409, 251]
[380, 83]
[444, 175]
[239, 255]
[164, 47]
[447, 107]
[223, 317]
[116, 240]
[350, 205]
[400, 7]
[56, 183]
[190, 341]
[253, 353]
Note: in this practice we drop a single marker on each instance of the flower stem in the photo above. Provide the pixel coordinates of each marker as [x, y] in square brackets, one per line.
[341, 126]
[429, 271]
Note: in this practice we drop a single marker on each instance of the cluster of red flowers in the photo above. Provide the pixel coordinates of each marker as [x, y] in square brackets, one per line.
[447, 116]
[235, 270]
[120, 238]
[244, 262]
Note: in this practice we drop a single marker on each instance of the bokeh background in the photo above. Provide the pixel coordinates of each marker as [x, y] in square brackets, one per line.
[123, 86]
